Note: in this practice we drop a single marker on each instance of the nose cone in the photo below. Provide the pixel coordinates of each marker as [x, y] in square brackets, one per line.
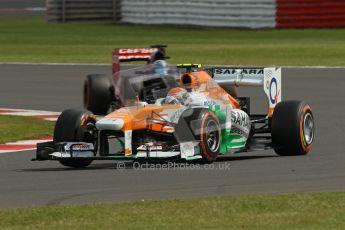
[108, 124]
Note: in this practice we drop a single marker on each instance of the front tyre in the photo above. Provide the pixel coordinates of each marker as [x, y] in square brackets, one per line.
[292, 128]
[210, 137]
[76, 126]
[202, 125]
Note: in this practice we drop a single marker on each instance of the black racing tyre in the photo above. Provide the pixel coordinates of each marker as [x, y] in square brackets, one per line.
[97, 93]
[76, 125]
[292, 128]
[202, 125]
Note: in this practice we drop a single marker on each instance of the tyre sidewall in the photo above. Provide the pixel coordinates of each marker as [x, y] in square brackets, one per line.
[70, 127]
[287, 128]
[191, 126]
[208, 154]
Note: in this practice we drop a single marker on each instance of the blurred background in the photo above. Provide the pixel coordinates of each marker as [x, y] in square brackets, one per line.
[22, 7]
[218, 13]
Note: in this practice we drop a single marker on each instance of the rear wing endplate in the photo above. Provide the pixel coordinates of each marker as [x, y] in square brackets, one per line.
[268, 78]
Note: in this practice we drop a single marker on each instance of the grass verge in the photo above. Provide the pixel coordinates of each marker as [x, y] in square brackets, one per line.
[13, 128]
[295, 211]
[32, 39]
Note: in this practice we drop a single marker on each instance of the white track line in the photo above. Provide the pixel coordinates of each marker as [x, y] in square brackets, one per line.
[22, 145]
[25, 145]
[47, 115]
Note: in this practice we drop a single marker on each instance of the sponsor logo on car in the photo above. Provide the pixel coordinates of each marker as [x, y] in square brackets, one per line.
[79, 147]
[134, 51]
[150, 147]
[239, 71]
[240, 118]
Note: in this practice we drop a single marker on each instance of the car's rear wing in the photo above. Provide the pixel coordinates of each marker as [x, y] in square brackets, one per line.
[153, 53]
[268, 78]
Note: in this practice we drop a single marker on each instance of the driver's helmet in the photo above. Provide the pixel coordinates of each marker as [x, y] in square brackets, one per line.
[160, 67]
[178, 96]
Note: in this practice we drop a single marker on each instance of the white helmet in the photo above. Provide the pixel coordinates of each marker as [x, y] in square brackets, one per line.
[178, 96]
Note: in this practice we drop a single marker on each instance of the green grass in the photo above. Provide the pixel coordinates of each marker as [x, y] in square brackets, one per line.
[298, 211]
[32, 39]
[13, 128]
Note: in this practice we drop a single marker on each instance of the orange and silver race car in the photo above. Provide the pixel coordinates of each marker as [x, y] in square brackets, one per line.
[194, 119]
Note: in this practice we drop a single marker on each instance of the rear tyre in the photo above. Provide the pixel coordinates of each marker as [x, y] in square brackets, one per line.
[75, 125]
[97, 93]
[201, 125]
[292, 128]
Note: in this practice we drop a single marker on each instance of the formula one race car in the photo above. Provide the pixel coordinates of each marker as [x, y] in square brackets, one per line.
[102, 93]
[197, 120]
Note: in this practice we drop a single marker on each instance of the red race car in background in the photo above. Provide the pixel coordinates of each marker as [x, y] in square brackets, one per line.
[102, 94]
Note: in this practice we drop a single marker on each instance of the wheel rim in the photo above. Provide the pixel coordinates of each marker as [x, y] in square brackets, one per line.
[308, 128]
[212, 136]
[90, 133]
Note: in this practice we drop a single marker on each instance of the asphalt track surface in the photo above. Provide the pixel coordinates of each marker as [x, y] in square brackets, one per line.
[24, 183]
